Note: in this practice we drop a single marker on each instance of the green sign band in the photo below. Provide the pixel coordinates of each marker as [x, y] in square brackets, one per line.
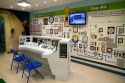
[108, 6]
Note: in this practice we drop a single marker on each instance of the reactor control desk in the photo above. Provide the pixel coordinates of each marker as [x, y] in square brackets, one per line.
[55, 50]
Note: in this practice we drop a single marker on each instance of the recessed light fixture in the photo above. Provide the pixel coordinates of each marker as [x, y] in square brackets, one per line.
[55, 0]
[36, 5]
[23, 3]
[23, 8]
[11, 7]
[44, 2]
[29, 7]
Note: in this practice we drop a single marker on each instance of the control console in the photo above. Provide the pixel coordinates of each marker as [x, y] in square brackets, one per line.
[55, 50]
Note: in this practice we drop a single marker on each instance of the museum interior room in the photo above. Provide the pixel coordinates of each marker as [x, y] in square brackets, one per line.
[62, 41]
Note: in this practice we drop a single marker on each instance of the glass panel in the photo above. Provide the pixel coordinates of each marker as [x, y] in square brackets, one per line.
[2, 35]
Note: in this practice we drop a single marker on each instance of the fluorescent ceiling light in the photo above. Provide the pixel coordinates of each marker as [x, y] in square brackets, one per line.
[55, 0]
[23, 3]
[45, 2]
[11, 7]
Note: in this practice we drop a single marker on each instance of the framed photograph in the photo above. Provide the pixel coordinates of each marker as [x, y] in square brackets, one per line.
[120, 54]
[61, 19]
[97, 48]
[92, 48]
[35, 21]
[100, 29]
[43, 27]
[124, 55]
[103, 48]
[66, 18]
[109, 50]
[80, 45]
[51, 19]
[121, 30]
[93, 43]
[47, 31]
[115, 54]
[120, 40]
[111, 30]
[75, 29]
[59, 28]
[55, 31]
[45, 21]
[106, 38]
[93, 36]
[56, 19]
[66, 24]
[51, 31]
[84, 33]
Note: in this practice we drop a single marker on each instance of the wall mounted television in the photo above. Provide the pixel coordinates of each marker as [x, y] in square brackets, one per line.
[77, 18]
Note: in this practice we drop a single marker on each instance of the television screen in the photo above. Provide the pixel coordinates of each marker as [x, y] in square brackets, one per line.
[77, 18]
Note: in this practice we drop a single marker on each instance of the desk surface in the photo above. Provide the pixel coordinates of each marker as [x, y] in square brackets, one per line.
[37, 49]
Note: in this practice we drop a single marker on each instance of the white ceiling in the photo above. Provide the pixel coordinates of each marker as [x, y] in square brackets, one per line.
[35, 4]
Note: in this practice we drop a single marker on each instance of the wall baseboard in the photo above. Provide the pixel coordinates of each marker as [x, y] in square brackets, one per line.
[98, 67]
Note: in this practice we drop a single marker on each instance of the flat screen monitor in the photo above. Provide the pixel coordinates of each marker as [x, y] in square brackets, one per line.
[77, 18]
[35, 40]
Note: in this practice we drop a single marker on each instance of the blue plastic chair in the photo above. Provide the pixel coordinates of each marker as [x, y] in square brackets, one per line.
[32, 65]
[18, 58]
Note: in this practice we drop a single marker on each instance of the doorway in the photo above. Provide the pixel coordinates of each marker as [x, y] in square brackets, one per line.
[2, 35]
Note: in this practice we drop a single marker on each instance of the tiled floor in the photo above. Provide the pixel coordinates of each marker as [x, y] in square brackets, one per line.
[78, 74]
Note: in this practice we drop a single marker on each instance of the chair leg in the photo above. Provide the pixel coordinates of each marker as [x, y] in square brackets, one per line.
[23, 72]
[17, 68]
[39, 73]
[11, 65]
[28, 77]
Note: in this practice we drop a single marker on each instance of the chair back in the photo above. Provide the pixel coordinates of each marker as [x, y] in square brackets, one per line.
[25, 57]
[14, 52]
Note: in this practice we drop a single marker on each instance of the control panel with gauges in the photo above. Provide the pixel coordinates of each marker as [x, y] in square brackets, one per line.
[55, 50]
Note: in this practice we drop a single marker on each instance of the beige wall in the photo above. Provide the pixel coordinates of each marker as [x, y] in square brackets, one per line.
[11, 21]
